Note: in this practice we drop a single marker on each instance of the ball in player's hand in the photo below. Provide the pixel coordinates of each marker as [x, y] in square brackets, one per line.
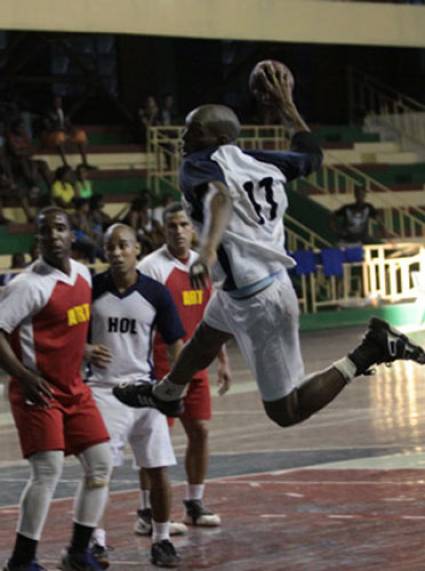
[257, 83]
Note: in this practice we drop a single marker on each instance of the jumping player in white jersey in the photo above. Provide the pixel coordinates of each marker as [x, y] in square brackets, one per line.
[237, 199]
[128, 307]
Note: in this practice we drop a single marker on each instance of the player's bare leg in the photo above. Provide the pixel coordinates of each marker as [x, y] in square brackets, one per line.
[315, 393]
[196, 464]
[381, 344]
[198, 353]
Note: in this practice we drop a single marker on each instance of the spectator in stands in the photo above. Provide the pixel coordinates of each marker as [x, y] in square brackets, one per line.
[25, 170]
[99, 219]
[83, 185]
[168, 112]
[148, 116]
[148, 231]
[351, 222]
[85, 234]
[63, 191]
[18, 262]
[7, 185]
[59, 130]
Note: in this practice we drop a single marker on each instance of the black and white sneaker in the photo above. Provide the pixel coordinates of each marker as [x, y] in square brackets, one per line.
[163, 554]
[197, 514]
[140, 395]
[384, 344]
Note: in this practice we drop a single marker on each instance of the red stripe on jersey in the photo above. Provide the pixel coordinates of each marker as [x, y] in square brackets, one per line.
[190, 305]
[59, 336]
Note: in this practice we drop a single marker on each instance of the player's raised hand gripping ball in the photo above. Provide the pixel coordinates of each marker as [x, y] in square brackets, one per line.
[264, 74]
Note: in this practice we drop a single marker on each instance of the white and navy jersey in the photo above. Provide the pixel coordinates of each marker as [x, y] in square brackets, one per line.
[125, 323]
[252, 247]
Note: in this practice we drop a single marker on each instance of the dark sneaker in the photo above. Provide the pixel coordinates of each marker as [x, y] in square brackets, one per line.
[79, 562]
[140, 395]
[384, 344]
[143, 524]
[33, 566]
[101, 554]
[163, 554]
[197, 514]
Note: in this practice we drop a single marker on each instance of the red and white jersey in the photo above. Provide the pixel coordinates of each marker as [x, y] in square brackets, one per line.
[47, 313]
[174, 274]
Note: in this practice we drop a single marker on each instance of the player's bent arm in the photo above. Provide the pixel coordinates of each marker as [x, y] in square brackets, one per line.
[35, 388]
[217, 213]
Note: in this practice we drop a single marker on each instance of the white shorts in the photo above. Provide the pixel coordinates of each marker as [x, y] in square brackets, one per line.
[266, 329]
[145, 429]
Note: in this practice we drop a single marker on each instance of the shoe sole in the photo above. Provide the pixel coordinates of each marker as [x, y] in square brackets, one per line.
[193, 523]
[165, 565]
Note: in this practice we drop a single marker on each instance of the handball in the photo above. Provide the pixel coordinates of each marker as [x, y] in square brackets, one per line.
[257, 85]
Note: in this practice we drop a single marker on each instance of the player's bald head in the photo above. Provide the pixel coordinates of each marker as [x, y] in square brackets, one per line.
[120, 230]
[219, 120]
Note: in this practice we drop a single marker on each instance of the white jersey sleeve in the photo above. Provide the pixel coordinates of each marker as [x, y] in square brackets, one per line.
[22, 298]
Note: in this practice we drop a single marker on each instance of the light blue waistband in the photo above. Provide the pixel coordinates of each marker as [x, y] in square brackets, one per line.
[252, 289]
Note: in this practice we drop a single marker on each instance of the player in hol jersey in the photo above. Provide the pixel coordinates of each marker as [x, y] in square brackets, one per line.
[237, 200]
[128, 308]
[170, 266]
[44, 317]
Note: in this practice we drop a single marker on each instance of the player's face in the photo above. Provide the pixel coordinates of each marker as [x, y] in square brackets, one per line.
[178, 233]
[121, 249]
[54, 237]
[196, 136]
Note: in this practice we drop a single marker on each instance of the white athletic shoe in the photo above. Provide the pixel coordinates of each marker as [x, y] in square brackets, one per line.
[143, 524]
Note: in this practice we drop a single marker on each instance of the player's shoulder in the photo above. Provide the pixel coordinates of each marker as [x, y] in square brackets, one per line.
[199, 168]
[82, 270]
[152, 290]
[101, 284]
[152, 260]
[158, 265]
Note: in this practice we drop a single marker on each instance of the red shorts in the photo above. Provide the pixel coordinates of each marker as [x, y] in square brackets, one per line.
[71, 427]
[197, 402]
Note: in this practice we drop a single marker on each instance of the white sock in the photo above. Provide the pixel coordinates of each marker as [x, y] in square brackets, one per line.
[145, 499]
[160, 531]
[166, 390]
[346, 367]
[99, 536]
[195, 491]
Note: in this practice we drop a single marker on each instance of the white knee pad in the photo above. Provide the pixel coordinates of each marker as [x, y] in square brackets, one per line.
[94, 488]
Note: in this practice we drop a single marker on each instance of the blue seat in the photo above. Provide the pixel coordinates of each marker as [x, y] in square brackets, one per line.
[333, 260]
[354, 254]
[306, 262]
